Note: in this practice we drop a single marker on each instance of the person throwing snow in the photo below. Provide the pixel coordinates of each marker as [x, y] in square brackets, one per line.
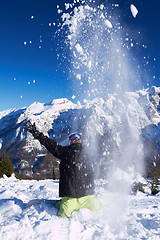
[76, 184]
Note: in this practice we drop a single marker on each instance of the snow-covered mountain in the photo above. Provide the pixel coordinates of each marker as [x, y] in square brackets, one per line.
[113, 127]
[23, 150]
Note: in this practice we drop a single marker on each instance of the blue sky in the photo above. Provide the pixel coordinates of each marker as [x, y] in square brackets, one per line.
[32, 72]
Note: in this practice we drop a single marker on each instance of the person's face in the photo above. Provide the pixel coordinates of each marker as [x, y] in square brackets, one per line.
[76, 140]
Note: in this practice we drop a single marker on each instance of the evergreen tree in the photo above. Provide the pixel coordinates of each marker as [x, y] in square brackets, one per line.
[6, 166]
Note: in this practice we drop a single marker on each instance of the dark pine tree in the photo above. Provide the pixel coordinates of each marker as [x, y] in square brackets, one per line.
[6, 166]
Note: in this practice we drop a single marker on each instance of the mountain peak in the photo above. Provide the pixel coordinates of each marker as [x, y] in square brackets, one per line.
[36, 107]
[61, 101]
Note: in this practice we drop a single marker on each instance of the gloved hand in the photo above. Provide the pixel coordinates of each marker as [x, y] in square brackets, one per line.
[30, 127]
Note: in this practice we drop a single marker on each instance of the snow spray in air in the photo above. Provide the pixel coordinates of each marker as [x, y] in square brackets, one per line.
[101, 63]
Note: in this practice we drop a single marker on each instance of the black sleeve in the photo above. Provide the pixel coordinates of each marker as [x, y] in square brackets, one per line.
[51, 145]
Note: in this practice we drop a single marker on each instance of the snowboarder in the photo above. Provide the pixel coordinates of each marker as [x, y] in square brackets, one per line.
[76, 185]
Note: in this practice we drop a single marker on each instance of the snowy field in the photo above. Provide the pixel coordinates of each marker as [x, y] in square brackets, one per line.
[138, 218]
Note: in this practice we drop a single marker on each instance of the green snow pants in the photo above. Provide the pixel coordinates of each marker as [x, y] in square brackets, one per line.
[66, 206]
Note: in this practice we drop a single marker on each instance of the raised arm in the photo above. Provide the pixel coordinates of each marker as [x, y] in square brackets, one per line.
[51, 145]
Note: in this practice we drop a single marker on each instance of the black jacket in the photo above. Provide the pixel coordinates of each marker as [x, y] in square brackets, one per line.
[76, 173]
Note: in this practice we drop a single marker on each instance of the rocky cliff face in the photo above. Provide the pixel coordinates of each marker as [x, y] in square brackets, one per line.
[124, 128]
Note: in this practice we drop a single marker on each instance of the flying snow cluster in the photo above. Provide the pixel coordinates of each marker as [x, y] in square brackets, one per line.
[100, 58]
[134, 10]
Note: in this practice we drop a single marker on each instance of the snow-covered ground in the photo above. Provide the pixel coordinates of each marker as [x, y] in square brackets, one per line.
[138, 218]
